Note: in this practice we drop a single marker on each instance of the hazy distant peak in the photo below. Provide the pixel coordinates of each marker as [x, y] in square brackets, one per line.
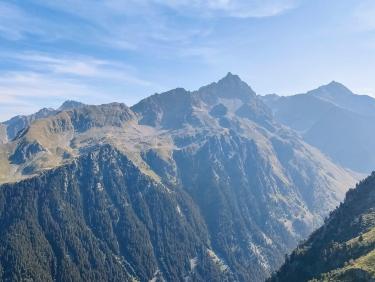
[334, 83]
[231, 77]
[70, 104]
[337, 85]
[270, 98]
[332, 89]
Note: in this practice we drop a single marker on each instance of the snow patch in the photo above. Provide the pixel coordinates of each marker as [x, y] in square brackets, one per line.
[257, 251]
[179, 210]
[193, 263]
[158, 276]
[288, 224]
[267, 239]
[223, 267]
[99, 187]
[119, 260]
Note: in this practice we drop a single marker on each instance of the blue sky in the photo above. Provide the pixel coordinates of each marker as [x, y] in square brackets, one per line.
[103, 51]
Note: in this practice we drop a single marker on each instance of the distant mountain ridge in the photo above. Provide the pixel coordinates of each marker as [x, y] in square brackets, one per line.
[332, 118]
[16, 124]
[240, 189]
[341, 96]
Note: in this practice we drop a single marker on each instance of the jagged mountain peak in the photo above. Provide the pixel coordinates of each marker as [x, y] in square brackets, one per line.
[70, 104]
[230, 77]
[179, 107]
[229, 87]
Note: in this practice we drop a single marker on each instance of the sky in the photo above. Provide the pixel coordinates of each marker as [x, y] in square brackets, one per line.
[124, 50]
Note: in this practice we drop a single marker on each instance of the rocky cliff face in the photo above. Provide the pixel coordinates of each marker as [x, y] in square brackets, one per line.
[249, 188]
[3, 134]
[343, 249]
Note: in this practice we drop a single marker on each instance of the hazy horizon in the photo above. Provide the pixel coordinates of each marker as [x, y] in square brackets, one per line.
[57, 103]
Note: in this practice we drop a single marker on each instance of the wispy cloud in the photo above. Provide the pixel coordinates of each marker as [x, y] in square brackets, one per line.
[178, 30]
[23, 92]
[79, 67]
[18, 85]
[13, 21]
[27, 91]
[122, 50]
[136, 24]
[231, 8]
[53, 79]
[120, 8]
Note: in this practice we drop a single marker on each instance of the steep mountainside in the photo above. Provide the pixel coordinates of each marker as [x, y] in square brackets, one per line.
[343, 249]
[101, 219]
[334, 120]
[254, 186]
[3, 134]
[299, 112]
[347, 137]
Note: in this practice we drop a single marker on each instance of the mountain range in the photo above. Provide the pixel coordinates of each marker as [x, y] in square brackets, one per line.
[10, 128]
[201, 185]
[333, 119]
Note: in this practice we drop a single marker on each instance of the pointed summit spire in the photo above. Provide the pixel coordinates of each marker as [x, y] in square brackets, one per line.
[230, 87]
[230, 77]
[335, 84]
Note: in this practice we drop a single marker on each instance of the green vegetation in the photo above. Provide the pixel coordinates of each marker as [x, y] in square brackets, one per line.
[101, 219]
[343, 249]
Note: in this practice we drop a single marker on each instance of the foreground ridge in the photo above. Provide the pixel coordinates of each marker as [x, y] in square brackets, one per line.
[343, 249]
